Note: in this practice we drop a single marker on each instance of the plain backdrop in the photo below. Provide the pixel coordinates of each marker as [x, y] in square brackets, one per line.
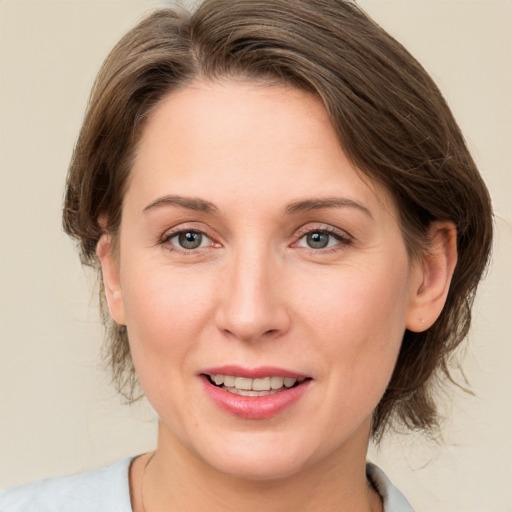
[58, 413]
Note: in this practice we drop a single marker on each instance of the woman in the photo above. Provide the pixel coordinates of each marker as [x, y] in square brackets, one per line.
[290, 231]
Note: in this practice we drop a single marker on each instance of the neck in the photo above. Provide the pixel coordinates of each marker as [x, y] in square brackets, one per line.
[176, 480]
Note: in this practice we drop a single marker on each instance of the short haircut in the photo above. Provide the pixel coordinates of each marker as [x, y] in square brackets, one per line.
[389, 116]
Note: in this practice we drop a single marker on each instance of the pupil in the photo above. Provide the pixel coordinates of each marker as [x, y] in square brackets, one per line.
[317, 240]
[190, 240]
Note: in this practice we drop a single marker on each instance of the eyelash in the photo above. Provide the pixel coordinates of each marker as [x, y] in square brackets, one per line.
[172, 247]
[343, 240]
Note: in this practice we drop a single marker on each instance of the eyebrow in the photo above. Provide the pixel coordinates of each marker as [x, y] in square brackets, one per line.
[191, 203]
[327, 202]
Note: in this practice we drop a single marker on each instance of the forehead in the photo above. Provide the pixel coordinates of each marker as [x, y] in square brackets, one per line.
[259, 117]
[247, 138]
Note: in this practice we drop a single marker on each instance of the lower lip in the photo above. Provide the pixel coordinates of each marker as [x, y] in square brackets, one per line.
[255, 407]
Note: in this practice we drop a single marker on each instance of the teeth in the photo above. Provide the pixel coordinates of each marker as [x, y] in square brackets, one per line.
[276, 382]
[245, 384]
[229, 381]
[289, 382]
[261, 384]
[251, 392]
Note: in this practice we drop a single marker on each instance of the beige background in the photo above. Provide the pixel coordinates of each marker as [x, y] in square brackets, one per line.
[57, 412]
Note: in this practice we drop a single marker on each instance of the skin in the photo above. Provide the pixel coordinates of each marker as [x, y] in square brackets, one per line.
[256, 294]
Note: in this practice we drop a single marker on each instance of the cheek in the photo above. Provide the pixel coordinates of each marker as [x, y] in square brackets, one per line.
[359, 321]
[362, 300]
[165, 312]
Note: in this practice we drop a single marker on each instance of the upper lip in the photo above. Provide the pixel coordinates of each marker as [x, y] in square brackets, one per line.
[259, 372]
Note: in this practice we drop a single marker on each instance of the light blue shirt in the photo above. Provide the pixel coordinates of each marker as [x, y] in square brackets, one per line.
[107, 490]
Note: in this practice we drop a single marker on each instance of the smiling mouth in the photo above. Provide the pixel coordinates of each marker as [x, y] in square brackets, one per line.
[253, 387]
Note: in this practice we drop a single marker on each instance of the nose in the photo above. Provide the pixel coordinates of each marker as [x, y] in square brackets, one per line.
[253, 303]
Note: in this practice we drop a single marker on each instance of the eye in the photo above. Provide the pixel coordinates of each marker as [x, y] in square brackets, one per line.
[189, 240]
[321, 239]
[318, 240]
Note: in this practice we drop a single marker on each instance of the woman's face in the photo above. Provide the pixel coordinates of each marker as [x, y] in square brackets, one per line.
[252, 255]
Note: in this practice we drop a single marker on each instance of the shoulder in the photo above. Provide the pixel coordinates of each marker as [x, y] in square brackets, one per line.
[394, 500]
[102, 490]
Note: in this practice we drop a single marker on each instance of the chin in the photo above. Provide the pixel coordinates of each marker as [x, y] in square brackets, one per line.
[269, 469]
[258, 457]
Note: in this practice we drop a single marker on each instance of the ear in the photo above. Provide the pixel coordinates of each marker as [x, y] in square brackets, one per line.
[432, 276]
[111, 282]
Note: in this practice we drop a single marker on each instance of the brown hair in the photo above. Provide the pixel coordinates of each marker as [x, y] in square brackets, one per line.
[391, 120]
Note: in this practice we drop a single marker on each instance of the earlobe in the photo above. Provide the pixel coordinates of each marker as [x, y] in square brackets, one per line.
[432, 277]
[111, 281]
